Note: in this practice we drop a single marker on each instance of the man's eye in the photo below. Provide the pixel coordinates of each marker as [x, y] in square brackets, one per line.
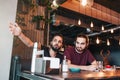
[82, 43]
[55, 40]
[60, 42]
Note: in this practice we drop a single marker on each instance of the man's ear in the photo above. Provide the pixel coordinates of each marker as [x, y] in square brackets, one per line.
[87, 44]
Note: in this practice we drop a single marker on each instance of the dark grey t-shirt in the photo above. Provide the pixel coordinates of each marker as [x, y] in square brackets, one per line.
[47, 54]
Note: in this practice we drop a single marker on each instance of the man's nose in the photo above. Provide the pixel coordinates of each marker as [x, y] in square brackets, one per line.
[57, 42]
[79, 45]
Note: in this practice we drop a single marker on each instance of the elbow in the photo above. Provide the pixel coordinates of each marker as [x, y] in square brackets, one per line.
[30, 44]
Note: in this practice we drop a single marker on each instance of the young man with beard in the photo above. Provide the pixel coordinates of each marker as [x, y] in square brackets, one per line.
[79, 56]
[52, 51]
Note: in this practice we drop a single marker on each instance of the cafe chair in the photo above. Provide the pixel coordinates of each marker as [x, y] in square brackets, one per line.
[14, 68]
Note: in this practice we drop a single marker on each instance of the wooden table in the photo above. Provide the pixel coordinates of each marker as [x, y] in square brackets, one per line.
[83, 75]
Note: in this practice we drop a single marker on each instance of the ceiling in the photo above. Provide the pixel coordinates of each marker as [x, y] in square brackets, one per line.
[112, 4]
[70, 30]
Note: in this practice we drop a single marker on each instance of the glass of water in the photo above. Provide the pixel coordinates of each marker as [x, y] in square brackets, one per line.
[100, 65]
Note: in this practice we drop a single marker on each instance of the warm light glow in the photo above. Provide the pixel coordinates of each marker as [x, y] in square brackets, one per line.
[84, 2]
[87, 2]
[108, 42]
[103, 28]
[97, 40]
[90, 2]
[79, 22]
[54, 4]
[91, 25]
[112, 31]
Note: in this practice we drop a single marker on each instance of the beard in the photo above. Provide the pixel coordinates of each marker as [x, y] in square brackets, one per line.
[56, 49]
[80, 50]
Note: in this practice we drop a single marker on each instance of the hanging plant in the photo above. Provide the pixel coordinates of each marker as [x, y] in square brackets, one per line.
[43, 2]
[49, 6]
[47, 3]
[50, 3]
[23, 8]
[20, 20]
[37, 20]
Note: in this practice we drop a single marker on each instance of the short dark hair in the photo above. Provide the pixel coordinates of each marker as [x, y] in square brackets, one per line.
[83, 36]
[57, 34]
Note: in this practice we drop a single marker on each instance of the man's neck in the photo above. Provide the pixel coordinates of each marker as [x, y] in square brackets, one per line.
[52, 53]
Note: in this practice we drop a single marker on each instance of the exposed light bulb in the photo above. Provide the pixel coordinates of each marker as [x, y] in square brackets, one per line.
[54, 4]
[108, 42]
[84, 2]
[91, 25]
[103, 28]
[79, 22]
[97, 40]
[87, 2]
[112, 31]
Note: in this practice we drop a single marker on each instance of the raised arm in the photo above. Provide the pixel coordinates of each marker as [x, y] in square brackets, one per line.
[16, 31]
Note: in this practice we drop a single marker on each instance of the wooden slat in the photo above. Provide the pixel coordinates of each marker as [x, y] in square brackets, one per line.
[98, 11]
[30, 31]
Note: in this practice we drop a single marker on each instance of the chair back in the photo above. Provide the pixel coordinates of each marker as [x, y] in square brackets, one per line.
[14, 68]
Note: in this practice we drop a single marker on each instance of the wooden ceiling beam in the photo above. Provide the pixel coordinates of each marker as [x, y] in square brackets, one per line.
[68, 21]
[96, 11]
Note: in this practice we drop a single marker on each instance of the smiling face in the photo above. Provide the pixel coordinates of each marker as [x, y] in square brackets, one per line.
[56, 43]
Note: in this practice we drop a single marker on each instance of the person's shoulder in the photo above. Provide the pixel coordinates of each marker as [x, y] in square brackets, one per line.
[44, 47]
[70, 47]
[60, 55]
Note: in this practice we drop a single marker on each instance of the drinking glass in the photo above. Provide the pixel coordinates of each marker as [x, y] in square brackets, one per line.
[114, 67]
[100, 65]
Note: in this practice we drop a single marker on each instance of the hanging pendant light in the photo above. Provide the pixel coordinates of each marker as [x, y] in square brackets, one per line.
[87, 2]
[112, 31]
[84, 2]
[102, 28]
[97, 40]
[108, 42]
[91, 24]
[54, 4]
[79, 22]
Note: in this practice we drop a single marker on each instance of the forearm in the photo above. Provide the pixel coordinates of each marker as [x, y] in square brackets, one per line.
[78, 66]
[25, 40]
[83, 67]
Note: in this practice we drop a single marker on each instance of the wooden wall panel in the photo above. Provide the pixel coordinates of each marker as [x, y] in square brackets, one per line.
[30, 31]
